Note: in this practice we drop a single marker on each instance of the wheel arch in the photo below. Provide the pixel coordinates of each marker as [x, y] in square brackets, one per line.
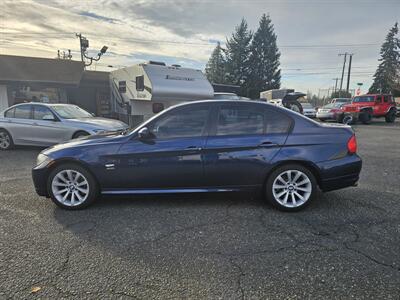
[79, 131]
[79, 163]
[307, 164]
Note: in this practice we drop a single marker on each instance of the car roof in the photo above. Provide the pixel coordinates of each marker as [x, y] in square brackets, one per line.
[40, 103]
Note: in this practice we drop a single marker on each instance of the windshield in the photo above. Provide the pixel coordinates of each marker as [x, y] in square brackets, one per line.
[71, 112]
[341, 100]
[364, 99]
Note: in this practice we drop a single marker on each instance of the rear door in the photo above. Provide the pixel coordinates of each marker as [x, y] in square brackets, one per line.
[20, 124]
[242, 142]
[378, 105]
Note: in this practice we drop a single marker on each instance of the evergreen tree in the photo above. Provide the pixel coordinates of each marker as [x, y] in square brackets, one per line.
[237, 52]
[215, 68]
[387, 75]
[264, 59]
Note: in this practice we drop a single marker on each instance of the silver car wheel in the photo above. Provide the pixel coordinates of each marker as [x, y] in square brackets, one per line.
[5, 141]
[70, 187]
[292, 188]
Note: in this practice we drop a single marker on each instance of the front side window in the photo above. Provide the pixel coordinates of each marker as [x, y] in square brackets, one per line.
[40, 111]
[187, 122]
[240, 120]
[23, 112]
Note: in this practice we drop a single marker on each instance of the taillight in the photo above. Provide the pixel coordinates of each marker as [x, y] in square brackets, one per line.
[352, 145]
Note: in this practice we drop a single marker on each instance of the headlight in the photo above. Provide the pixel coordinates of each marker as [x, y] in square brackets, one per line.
[98, 131]
[42, 161]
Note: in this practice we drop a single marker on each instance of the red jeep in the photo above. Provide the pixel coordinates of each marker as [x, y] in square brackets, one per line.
[369, 106]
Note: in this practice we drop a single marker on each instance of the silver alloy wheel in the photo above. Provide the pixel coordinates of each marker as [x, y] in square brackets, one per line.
[292, 188]
[4, 140]
[70, 187]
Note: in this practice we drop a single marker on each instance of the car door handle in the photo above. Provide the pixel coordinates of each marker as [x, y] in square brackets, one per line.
[267, 144]
[193, 148]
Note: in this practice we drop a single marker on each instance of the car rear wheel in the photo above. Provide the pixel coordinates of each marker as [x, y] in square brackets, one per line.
[390, 116]
[72, 187]
[291, 188]
[6, 141]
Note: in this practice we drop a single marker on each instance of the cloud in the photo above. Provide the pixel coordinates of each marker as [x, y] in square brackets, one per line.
[186, 31]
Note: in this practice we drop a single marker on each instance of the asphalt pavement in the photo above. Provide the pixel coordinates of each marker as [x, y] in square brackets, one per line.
[233, 246]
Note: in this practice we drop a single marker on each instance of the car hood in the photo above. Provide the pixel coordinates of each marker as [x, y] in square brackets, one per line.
[91, 140]
[309, 109]
[98, 123]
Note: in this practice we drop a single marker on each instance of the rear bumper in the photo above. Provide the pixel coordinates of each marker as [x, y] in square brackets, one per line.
[340, 173]
[39, 177]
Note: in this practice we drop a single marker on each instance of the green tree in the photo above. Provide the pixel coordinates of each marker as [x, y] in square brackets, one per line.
[264, 59]
[387, 74]
[237, 56]
[215, 68]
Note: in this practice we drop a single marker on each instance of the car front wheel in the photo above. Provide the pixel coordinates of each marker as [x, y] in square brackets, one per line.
[291, 188]
[72, 187]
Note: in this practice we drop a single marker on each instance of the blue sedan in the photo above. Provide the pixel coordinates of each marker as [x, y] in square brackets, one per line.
[205, 146]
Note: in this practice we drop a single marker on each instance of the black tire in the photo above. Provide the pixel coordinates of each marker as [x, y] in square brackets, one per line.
[390, 116]
[366, 117]
[348, 119]
[80, 134]
[93, 190]
[339, 119]
[6, 140]
[270, 193]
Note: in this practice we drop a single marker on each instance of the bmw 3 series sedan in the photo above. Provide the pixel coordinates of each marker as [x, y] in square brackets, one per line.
[205, 146]
[40, 124]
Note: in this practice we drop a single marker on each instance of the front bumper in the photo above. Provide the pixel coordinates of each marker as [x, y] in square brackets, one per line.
[340, 173]
[39, 177]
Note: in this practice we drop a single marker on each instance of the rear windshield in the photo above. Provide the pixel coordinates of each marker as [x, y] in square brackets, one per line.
[364, 99]
[334, 105]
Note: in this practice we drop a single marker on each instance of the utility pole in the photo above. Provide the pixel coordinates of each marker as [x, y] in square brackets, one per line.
[336, 80]
[349, 72]
[344, 66]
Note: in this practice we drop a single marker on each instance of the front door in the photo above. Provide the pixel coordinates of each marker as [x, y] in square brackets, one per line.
[47, 131]
[242, 143]
[170, 159]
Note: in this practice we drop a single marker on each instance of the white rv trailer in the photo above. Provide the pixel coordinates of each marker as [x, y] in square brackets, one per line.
[146, 87]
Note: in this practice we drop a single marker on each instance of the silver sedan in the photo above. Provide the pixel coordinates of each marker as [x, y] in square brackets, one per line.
[39, 124]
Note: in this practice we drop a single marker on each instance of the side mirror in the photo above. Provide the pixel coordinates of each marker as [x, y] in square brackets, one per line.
[144, 133]
[48, 118]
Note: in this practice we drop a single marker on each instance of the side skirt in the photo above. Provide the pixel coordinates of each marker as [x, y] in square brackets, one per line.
[178, 191]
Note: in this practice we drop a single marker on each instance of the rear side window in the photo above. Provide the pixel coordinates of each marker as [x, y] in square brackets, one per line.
[187, 122]
[387, 98]
[9, 113]
[277, 122]
[23, 112]
[240, 120]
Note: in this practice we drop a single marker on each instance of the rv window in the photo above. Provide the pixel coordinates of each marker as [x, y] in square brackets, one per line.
[122, 86]
[140, 83]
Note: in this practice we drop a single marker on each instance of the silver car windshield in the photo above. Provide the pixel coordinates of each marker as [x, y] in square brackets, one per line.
[71, 112]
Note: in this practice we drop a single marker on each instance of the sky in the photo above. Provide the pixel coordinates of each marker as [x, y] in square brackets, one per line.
[311, 33]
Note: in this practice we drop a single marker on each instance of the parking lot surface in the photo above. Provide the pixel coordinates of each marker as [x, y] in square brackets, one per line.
[346, 244]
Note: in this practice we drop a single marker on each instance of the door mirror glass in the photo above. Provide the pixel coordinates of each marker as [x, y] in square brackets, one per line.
[145, 133]
[48, 118]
